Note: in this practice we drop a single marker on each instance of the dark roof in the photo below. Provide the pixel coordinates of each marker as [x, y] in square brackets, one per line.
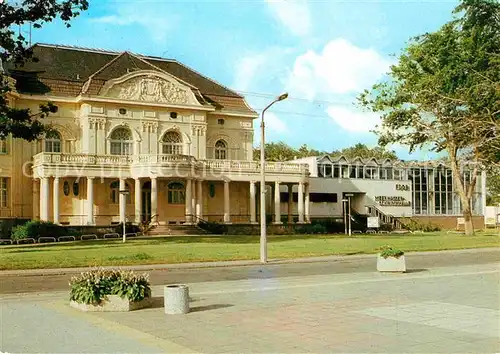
[63, 70]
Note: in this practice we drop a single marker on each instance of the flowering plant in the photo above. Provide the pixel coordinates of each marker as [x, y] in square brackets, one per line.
[388, 251]
[93, 286]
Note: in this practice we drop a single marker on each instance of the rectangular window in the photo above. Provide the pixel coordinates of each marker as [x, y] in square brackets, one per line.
[3, 146]
[371, 173]
[4, 192]
[328, 171]
[397, 174]
[323, 197]
[360, 171]
[352, 173]
[321, 171]
[345, 171]
[336, 171]
[389, 173]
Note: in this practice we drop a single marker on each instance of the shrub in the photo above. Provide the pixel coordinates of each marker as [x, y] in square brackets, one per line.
[19, 232]
[386, 227]
[92, 287]
[7, 225]
[388, 251]
[413, 225]
[213, 227]
[130, 228]
[36, 229]
[318, 229]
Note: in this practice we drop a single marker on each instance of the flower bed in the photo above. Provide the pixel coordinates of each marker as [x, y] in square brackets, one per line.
[110, 290]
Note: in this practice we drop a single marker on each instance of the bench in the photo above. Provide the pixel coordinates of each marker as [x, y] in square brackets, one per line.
[66, 238]
[26, 240]
[88, 237]
[46, 239]
[131, 234]
[6, 240]
[113, 235]
[383, 232]
[371, 231]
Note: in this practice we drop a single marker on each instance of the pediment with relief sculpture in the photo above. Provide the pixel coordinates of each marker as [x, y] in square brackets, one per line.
[149, 86]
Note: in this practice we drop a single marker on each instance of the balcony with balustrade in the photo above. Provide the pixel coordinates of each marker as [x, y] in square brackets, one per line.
[136, 166]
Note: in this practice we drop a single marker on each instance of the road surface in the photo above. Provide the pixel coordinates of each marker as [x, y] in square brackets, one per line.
[10, 284]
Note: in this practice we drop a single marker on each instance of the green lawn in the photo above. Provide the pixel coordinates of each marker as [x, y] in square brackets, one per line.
[219, 248]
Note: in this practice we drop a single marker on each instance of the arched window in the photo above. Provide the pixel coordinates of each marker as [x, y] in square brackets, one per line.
[121, 142]
[53, 142]
[176, 193]
[172, 143]
[221, 150]
[115, 192]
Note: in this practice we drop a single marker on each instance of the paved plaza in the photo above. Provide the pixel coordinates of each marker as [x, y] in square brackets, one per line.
[453, 309]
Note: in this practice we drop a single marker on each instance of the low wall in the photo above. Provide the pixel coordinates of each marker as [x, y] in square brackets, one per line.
[446, 222]
[90, 229]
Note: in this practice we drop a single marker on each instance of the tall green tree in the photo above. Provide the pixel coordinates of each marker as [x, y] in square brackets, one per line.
[444, 93]
[363, 151]
[280, 151]
[14, 50]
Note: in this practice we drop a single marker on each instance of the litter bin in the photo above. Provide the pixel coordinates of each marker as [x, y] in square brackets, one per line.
[176, 299]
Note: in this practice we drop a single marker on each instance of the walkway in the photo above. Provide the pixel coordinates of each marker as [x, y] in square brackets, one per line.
[446, 310]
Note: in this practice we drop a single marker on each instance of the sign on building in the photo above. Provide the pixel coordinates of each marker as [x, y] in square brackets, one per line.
[492, 216]
[373, 222]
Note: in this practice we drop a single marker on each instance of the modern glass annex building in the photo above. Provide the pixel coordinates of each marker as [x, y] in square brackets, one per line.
[396, 188]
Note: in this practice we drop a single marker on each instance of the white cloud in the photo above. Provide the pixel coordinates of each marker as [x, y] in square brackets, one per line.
[353, 120]
[148, 15]
[275, 124]
[293, 14]
[341, 68]
[258, 69]
[246, 68]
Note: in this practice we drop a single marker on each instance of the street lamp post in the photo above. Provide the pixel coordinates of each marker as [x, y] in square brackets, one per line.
[349, 195]
[344, 208]
[263, 236]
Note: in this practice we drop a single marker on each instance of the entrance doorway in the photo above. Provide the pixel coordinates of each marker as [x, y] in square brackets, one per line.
[146, 201]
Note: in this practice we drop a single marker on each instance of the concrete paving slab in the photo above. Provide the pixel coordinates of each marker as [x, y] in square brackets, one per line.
[351, 313]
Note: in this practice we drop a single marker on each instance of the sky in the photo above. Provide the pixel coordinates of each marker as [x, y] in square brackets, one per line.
[322, 52]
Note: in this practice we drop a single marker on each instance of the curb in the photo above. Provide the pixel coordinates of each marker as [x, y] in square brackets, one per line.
[215, 264]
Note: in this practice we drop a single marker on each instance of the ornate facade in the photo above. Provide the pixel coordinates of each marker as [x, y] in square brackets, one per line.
[179, 143]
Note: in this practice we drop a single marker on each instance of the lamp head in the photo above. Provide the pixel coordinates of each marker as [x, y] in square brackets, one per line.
[283, 96]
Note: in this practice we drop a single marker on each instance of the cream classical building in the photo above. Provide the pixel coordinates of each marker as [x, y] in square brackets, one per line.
[177, 141]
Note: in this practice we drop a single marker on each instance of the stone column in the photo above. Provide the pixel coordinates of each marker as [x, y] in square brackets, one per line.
[55, 200]
[277, 203]
[307, 205]
[253, 218]
[138, 201]
[193, 200]
[189, 201]
[36, 199]
[301, 203]
[290, 203]
[227, 215]
[44, 199]
[123, 201]
[90, 200]
[199, 200]
[154, 197]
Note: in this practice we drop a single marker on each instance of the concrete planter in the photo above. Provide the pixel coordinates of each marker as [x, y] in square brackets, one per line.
[391, 264]
[113, 303]
[176, 299]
